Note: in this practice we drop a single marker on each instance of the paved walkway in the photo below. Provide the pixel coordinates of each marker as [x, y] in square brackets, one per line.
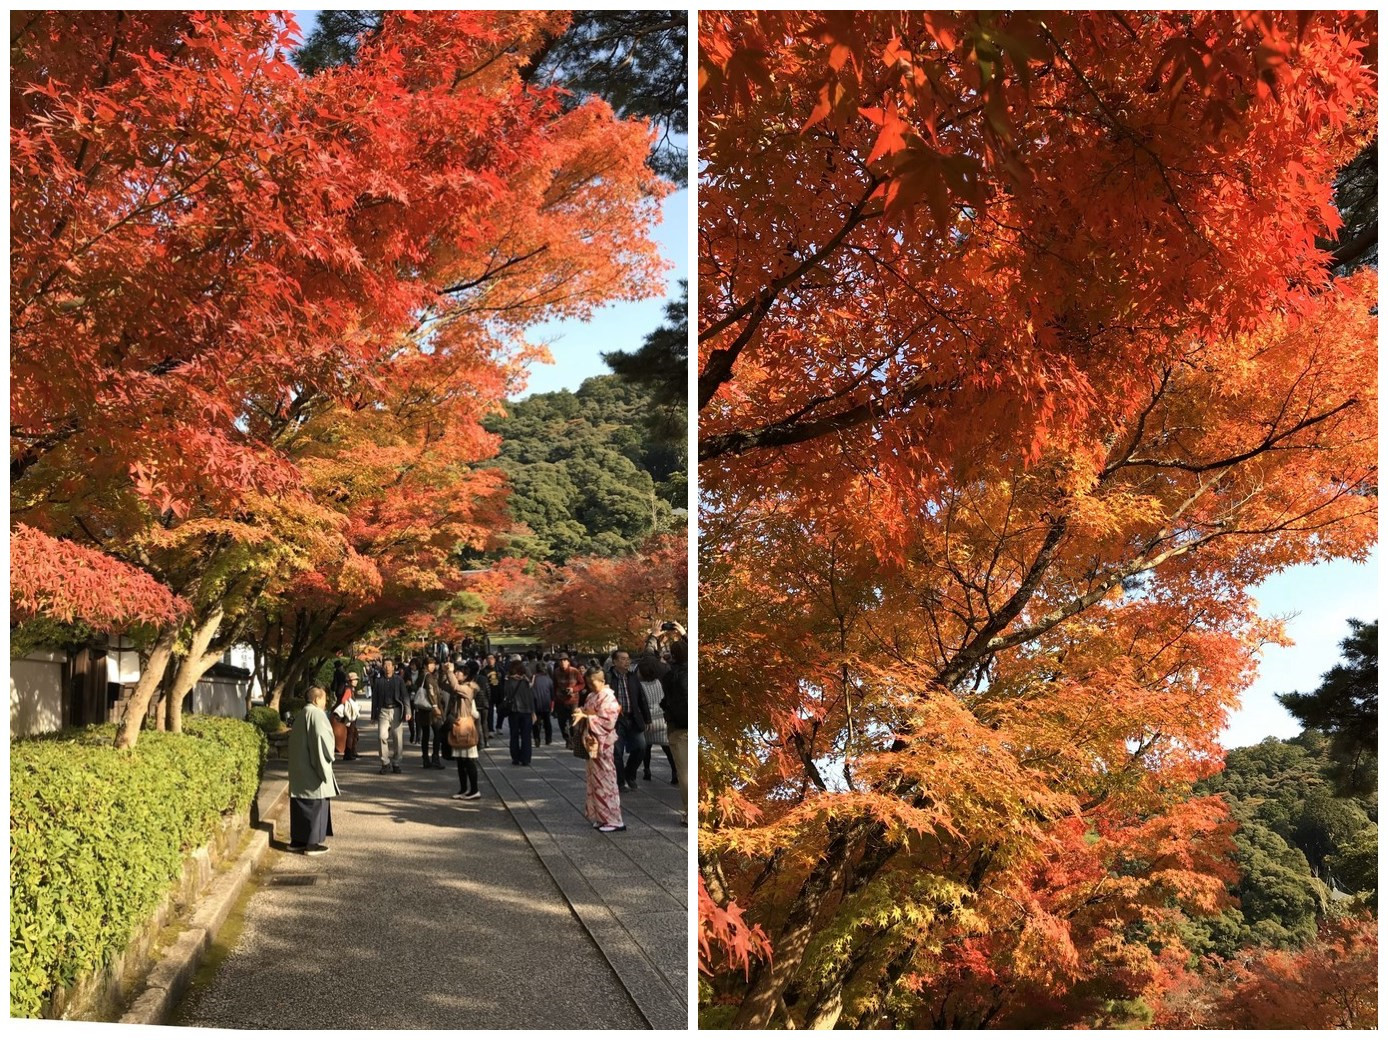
[430, 913]
[629, 889]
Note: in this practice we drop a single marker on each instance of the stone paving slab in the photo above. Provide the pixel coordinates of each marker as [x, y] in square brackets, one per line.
[427, 913]
[630, 888]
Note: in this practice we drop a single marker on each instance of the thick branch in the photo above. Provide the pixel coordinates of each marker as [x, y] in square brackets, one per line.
[718, 368]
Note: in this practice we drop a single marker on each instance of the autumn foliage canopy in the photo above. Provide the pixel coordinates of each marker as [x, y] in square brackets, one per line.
[257, 318]
[592, 602]
[1026, 348]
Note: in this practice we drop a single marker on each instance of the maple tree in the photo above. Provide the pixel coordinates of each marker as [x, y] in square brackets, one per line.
[1331, 983]
[636, 60]
[211, 252]
[1021, 360]
[593, 601]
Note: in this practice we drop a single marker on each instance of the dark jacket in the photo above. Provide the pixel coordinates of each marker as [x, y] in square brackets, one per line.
[387, 692]
[519, 696]
[675, 703]
[544, 693]
[636, 714]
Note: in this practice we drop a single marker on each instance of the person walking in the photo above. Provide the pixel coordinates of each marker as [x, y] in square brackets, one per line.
[312, 785]
[676, 705]
[649, 670]
[344, 720]
[568, 685]
[410, 674]
[491, 668]
[485, 693]
[389, 708]
[543, 687]
[603, 804]
[339, 682]
[428, 710]
[462, 703]
[520, 706]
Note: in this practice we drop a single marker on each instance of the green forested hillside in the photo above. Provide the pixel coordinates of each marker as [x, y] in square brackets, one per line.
[1301, 847]
[586, 476]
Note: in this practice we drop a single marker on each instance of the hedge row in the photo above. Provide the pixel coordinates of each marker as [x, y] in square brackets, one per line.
[98, 836]
[266, 719]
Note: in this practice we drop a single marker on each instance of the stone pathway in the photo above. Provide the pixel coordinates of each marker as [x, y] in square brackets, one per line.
[630, 889]
[430, 913]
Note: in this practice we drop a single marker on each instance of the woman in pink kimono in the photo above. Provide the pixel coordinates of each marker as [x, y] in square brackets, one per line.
[604, 805]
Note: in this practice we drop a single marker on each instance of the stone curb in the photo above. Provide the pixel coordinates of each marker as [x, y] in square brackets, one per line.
[648, 989]
[170, 978]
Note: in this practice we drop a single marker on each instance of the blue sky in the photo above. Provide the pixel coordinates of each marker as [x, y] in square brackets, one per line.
[1322, 598]
[576, 346]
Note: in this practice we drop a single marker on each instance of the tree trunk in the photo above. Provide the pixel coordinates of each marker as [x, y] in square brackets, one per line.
[193, 666]
[150, 680]
[764, 994]
[287, 681]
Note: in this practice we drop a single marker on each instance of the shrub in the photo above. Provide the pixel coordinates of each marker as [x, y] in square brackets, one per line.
[98, 836]
[266, 719]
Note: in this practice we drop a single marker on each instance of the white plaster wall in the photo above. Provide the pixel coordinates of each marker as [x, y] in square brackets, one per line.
[219, 697]
[243, 656]
[36, 693]
[127, 676]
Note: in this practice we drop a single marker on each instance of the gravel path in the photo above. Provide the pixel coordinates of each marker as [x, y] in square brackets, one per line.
[428, 913]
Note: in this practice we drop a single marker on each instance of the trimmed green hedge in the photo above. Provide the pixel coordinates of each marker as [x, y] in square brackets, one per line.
[267, 720]
[98, 837]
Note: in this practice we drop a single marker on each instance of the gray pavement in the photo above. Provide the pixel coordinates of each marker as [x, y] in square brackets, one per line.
[630, 889]
[428, 913]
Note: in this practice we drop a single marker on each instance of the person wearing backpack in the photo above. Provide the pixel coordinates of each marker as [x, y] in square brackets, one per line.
[520, 704]
[543, 686]
[462, 705]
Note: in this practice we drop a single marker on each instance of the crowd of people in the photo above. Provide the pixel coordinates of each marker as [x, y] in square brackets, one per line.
[451, 701]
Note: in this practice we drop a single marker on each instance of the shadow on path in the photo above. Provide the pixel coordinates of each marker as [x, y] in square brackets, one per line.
[630, 888]
[427, 913]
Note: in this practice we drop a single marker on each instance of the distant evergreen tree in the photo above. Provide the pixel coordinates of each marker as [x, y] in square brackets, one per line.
[1298, 842]
[1345, 708]
[335, 39]
[661, 367]
[638, 62]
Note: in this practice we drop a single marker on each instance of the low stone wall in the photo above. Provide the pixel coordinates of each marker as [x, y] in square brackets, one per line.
[103, 995]
[278, 746]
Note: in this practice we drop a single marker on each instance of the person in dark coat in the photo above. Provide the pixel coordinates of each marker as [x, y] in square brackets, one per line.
[429, 702]
[631, 723]
[390, 708]
[339, 680]
[312, 785]
[520, 707]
